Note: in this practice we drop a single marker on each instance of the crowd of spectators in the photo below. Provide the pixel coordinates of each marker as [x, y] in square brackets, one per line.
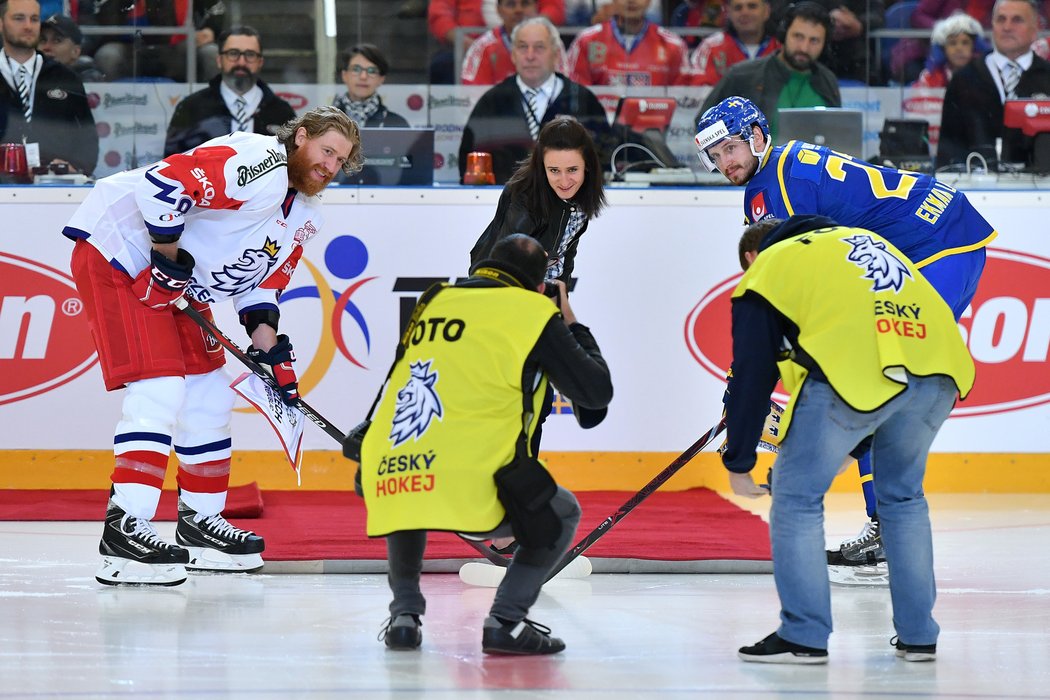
[777, 53]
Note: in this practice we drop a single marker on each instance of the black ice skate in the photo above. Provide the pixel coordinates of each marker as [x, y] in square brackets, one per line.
[860, 561]
[216, 545]
[134, 554]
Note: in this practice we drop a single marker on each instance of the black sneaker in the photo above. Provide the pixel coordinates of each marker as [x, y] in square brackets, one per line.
[133, 553]
[526, 638]
[402, 633]
[914, 652]
[774, 650]
[216, 545]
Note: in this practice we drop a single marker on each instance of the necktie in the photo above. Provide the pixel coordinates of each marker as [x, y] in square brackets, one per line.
[530, 113]
[240, 115]
[22, 79]
[1011, 76]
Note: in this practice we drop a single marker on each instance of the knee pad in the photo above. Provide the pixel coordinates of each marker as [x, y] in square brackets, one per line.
[152, 405]
[204, 421]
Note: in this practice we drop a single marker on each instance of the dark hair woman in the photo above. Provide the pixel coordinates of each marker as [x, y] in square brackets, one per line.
[552, 196]
[363, 68]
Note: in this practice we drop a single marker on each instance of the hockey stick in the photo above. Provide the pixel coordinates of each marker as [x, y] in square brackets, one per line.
[646, 491]
[221, 338]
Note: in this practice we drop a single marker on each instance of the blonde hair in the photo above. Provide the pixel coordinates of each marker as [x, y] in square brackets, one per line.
[319, 121]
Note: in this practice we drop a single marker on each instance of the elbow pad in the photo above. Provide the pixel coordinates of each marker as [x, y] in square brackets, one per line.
[254, 318]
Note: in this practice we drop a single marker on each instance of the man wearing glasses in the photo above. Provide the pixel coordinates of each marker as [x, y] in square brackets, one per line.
[235, 100]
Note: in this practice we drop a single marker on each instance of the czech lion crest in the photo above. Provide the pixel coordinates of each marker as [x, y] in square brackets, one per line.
[881, 266]
[417, 404]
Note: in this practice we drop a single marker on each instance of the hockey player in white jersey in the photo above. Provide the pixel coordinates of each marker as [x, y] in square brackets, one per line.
[224, 221]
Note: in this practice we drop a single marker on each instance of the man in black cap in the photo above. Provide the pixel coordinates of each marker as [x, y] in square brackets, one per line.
[61, 39]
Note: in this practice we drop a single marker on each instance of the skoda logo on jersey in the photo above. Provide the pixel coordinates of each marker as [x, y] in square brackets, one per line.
[879, 265]
[417, 404]
[249, 271]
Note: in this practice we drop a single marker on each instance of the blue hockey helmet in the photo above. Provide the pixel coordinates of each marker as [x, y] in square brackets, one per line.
[733, 116]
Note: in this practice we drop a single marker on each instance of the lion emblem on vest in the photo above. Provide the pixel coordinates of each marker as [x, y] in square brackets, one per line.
[881, 266]
[417, 404]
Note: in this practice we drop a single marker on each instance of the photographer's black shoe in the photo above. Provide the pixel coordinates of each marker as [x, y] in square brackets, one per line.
[524, 638]
[402, 633]
[774, 650]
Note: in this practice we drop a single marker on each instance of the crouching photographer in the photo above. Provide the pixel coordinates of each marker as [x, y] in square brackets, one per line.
[449, 446]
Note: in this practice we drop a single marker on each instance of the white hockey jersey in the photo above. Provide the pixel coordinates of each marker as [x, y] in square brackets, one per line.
[229, 198]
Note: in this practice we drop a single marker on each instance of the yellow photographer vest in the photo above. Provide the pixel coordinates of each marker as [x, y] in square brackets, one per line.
[871, 316]
[452, 412]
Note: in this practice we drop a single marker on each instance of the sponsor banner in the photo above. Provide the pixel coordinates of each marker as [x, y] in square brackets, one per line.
[653, 278]
[132, 118]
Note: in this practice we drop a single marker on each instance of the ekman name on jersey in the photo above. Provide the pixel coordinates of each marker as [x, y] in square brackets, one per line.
[273, 160]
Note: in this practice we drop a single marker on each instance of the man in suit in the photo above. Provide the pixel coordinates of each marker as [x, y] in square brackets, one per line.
[235, 100]
[507, 118]
[972, 119]
[42, 102]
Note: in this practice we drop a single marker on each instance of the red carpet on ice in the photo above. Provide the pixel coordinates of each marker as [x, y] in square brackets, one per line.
[673, 531]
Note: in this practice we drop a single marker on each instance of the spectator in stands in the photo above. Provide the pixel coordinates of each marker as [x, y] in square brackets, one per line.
[444, 16]
[792, 77]
[42, 102]
[364, 71]
[698, 13]
[849, 54]
[157, 55]
[235, 100]
[972, 117]
[581, 13]
[628, 50]
[61, 39]
[981, 10]
[506, 120]
[928, 12]
[956, 40]
[744, 37]
[487, 61]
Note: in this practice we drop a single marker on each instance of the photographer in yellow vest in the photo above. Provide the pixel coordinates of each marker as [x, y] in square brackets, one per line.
[449, 447]
[865, 347]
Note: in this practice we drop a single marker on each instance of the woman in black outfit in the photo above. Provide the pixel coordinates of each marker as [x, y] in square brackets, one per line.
[552, 196]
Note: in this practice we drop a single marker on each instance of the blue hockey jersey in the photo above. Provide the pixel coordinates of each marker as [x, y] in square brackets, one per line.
[924, 218]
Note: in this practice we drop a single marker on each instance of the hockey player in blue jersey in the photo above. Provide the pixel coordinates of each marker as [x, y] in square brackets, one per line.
[929, 221]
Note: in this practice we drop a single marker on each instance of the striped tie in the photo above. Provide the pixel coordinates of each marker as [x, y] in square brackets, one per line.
[22, 78]
[241, 117]
[1011, 77]
[530, 113]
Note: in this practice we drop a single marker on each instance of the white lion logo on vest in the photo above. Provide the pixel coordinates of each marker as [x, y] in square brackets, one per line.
[417, 404]
[879, 265]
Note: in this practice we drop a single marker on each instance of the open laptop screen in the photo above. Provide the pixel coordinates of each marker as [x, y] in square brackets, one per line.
[395, 156]
[841, 130]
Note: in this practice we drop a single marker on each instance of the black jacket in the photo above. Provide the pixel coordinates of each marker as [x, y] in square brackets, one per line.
[497, 125]
[62, 122]
[203, 116]
[513, 216]
[381, 118]
[973, 114]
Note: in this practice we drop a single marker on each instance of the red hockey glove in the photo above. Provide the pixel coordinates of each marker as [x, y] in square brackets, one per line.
[162, 283]
[280, 358]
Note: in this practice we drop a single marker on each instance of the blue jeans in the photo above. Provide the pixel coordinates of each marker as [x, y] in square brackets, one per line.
[823, 431]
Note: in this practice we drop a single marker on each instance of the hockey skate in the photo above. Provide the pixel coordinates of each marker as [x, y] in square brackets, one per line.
[216, 545]
[134, 554]
[860, 561]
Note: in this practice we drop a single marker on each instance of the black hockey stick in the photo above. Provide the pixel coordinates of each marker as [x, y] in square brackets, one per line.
[646, 491]
[221, 338]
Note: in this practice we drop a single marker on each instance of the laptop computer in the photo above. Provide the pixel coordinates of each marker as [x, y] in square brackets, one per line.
[395, 156]
[841, 130]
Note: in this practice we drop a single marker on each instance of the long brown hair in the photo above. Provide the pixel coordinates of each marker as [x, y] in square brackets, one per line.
[530, 179]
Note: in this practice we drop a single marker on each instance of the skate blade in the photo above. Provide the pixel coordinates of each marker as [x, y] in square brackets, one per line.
[204, 559]
[875, 576]
[115, 571]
